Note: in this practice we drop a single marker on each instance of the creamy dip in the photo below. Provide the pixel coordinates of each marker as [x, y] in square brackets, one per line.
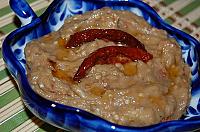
[131, 94]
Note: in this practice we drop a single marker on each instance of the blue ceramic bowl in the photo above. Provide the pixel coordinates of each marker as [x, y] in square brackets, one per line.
[72, 118]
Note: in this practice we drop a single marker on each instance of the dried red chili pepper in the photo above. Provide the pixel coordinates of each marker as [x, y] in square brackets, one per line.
[114, 35]
[114, 59]
[103, 55]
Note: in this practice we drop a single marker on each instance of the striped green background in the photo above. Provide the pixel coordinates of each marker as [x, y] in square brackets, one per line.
[15, 117]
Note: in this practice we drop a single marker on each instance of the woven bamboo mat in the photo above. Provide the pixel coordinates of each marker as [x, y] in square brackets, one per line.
[183, 14]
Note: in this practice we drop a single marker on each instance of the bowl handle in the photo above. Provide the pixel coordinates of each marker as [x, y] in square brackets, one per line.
[23, 11]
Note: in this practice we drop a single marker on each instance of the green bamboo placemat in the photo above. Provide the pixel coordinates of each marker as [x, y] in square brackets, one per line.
[183, 14]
